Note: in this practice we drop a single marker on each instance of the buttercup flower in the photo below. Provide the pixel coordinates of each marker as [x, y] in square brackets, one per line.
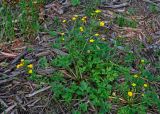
[133, 84]
[64, 21]
[103, 39]
[73, 18]
[145, 85]
[30, 71]
[21, 64]
[135, 76]
[102, 23]
[96, 34]
[91, 40]
[22, 60]
[98, 11]
[130, 94]
[81, 29]
[30, 66]
[84, 19]
[18, 66]
[62, 33]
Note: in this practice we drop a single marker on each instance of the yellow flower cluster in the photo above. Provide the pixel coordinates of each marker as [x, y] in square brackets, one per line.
[21, 64]
[30, 67]
[74, 17]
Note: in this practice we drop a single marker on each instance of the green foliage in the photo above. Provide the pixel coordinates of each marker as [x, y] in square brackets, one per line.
[43, 63]
[75, 2]
[24, 20]
[153, 8]
[90, 6]
[132, 11]
[124, 22]
[94, 70]
[6, 25]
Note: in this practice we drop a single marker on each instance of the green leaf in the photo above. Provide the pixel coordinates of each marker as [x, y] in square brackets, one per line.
[52, 33]
[75, 2]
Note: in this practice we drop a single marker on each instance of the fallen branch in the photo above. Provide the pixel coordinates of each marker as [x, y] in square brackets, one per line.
[10, 55]
[117, 6]
[39, 91]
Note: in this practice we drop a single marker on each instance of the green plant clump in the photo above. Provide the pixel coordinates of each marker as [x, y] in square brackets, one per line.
[93, 75]
[124, 22]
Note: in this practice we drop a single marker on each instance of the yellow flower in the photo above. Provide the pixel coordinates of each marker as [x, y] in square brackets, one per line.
[130, 94]
[81, 29]
[74, 18]
[84, 19]
[64, 21]
[18, 66]
[135, 76]
[21, 64]
[22, 60]
[145, 85]
[103, 39]
[142, 94]
[133, 84]
[62, 33]
[96, 34]
[30, 71]
[98, 11]
[30, 66]
[91, 40]
[142, 61]
[102, 23]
